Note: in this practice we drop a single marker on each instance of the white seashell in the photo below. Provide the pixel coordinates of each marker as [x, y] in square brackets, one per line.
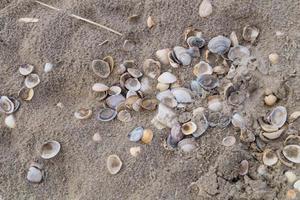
[205, 8]
[48, 67]
[114, 164]
[182, 55]
[167, 78]
[34, 175]
[10, 121]
[115, 100]
[83, 113]
[274, 58]
[269, 157]
[228, 141]
[278, 116]
[151, 68]
[234, 39]
[97, 137]
[6, 105]
[28, 20]
[166, 116]
[238, 54]
[214, 103]
[182, 95]
[32, 80]
[250, 33]
[150, 22]
[26, 69]
[101, 68]
[238, 121]
[135, 151]
[170, 102]
[137, 105]
[187, 144]
[267, 127]
[162, 56]
[292, 153]
[274, 135]
[50, 149]
[291, 176]
[219, 45]
[295, 115]
[147, 85]
[134, 72]
[202, 68]
[297, 185]
[100, 87]
[188, 128]
[162, 86]
[114, 90]
[133, 84]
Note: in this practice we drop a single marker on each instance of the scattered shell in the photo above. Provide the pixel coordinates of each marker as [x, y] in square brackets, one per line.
[194, 41]
[274, 58]
[131, 100]
[124, 116]
[236, 98]
[162, 56]
[99, 96]
[190, 31]
[214, 103]
[10, 121]
[166, 116]
[101, 68]
[208, 81]
[205, 8]
[164, 94]
[169, 101]
[292, 153]
[28, 20]
[187, 144]
[238, 121]
[147, 136]
[167, 78]
[188, 128]
[83, 113]
[114, 90]
[174, 62]
[162, 86]
[266, 127]
[133, 84]
[150, 22]
[202, 125]
[295, 115]
[26, 69]
[50, 149]
[134, 72]
[291, 194]
[244, 167]
[106, 114]
[97, 137]
[136, 134]
[48, 67]
[238, 53]
[269, 157]
[110, 62]
[247, 135]
[135, 151]
[182, 55]
[113, 164]
[100, 87]
[34, 175]
[6, 105]
[133, 17]
[128, 45]
[270, 100]
[120, 69]
[228, 141]
[32, 80]
[25, 94]
[182, 95]
[297, 185]
[234, 39]
[136, 106]
[220, 70]
[115, 100]
[196, 88]
[151, 68]
[291, 176]
[278, 116]
[176, 134]
[219, 45]
[149, 104]
[274, 135]
[123, 79]
[202, 68]
[250, 33]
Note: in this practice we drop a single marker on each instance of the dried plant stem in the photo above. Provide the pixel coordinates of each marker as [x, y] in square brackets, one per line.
[81, 18]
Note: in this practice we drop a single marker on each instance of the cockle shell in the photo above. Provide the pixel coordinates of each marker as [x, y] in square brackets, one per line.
[34, 174]
[113, 164]
[134, 72]
[219, 45]
[110, 62]
[50, 149]
[292, 153]
[25, 94]
[26, 69]
[6, 105]
[238, 53]
[250, 33]
[188, 128]
[162, 56]
[228, 141]
[202, 68]
[187, 145]
[101, 68]
[182, 95]
[167, 78]
[278, 116]
[106, 114]
[149, 104]
[83, 113]
[114, 100]
[182, 55]
[100, 87]
[10, 121]
[194, 41]
[136, 134]
[32, 80]
[269, 157]
[208, 81]
[164, 94]
[133, 84]
[124, 116]
[215, 103]
[205, 8]
[114, 90]
[151, 68]
[147, 136]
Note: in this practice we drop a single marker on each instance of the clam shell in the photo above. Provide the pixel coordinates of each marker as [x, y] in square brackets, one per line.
[274, 58]
[48, 67]
[113, 164]
[294, 116]
[16, 103]
[208, 82]
[128, 45]
[26, 94]
[147, 136]
[182, 95]
[274, 135]
[162, 56]
[135, 151]
[10, 121]
[34, 175]
[292, 153]
[149, 104]
[234, 39]
[174, 62]
[214, 103]
[176, 134]
[202, 68]
[110, 62]
[50, 149]
[228, 141]
[166, 116]
[6, 105]
[250, 33]
[187, 145]
[194, 41]
[238, 53]
[164, 94]
[162, 86]
[150, 22]
[137, 105]
[134, 72]
[244, 167]
[169, 101]
[291, 176]
[100, 87]
[202, 125]
[278, 116]
[131, 100]
[115, 100]
[26, 69]
[32, 80]
[151, 68]
[147, 85]
[99, 96]
[188, 128]
[266, 127]
[205, 8]
[182, 55]
[83, 113]
[196, 88]
[167, 78]
[133, 84]
[219, 45]
[101, 68]
[238, 121]
[220, 70]
[124, 116]
[114, 90]
[269, 157]
[131, 93]
[106, 114]
[136, 134]
[123, 78]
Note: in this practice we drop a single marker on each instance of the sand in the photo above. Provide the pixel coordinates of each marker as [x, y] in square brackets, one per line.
[79, 171]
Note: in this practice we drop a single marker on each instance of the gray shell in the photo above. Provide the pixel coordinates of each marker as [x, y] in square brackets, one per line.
[219, 45]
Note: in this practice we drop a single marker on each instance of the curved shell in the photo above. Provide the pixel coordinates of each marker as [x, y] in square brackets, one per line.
[6, 105]
[113, 164]
[194, 41]
[137, 105]
[151, 68]
[50, 149]
[34, 175]
[176, 133]
[220, 70]
[278, 116]
[219, 45]
[292, 153]
[234, 39]
[114, 90]
[100, 87]
[101, 68]
[124, 116]
[10, 121]
[182, 55]
[187, 145]
[162, 56]
[162, 86]
[32, 80]
[274, 135]
[136, 134]
[238, 53]
[228, 141]
[174, 62]
[167, 78]
[169, 101]
[133, 84]
[110, 62]
[250, 33]
[202, 68]
[188, 128]
[182, 95]
[238, 121]
[149, 104]
[106, 114]
[99, 96]
[115, 100]
[266, 127]
[269, 157]
[83, 113]
[202, 125]
[26, 69]
[205, 8]
[26, 94]
[214, 103]
[244, 167]
[147, 136]
[134, 72]
[135, 151]
[208, 81]
[131, 100]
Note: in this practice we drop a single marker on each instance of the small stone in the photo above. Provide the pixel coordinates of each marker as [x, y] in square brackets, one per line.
[270, 100]
[274, 58]
[135, 151]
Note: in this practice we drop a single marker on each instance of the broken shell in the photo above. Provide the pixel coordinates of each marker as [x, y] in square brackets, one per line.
[167, 78]
[101, 68]
[123, 79]
[99, 96]
[115, 100]
[187, 144]
[169, 101]
[176, 134]
[151, 68]
[48, 67]
[147, 136]
[26, 94]
[236, 98]
[10, 121]
[100, 87]
[162, 56]
[34, 175]
[124, 116]
[135, 151]
[6, 105]
[50, 149]
[184, 117]
[162, 86]
[297, 185]
[274, 135]
[208, 82]
[274, 58]
[220, 70]
[149, 104]
[26, 69]
[113, 164]
[238, 121]
[134, 72]
[291, 176]
[247, 135]
[182, 95]
[234, 39]
[194, 41]
[202, 125]
[136, 134]
[205, 8]
[166, 116]
[292, 153]
[32, 80]
[128, 45]
[106, 114]
[228, 141]
[174, 62]
[244, 167]
[133, 84]
[136, 106]
[182, 55]
[270, 100]
[202, 68]
[219, 45]
[196, 88]
[188, 128]
[150, 22]
[83, 113]
[250, 33]
[269, 157]
[110, 62]
[190, 31]
[214, 103]
[266, 127]
[278, 116]
[28, 20]
[295, 115]
[238, 53]
[120, 69]
[114, 90]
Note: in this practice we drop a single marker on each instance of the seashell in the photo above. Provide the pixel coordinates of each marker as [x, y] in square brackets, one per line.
[294, 116]
[135, 151]
[136, 106]
[196, 88]
[274, 58]
[292, 153]
[284, 160]
[34, 175]
[133, 84]
[114, 90]
[110, 62]
[297, 185]
[101, 68]
[244, 167]
[228, 141]
[162, 86]
[26, 94]
[194, 52]
[124, 116]
[250, 33]
[50, 149]
[150, 22]
[97, 137]
[136, 134]
[158, 124]
[291, 176]
[131, 93]
[270, 100]
[188, 128]
[100, 87]
[238, 121]
[10, 121]
[128, 45]
[113, 164]
[238, 53]
[214, 103]
[133, 17]
[99, 96]
[182, 55]
[106, 114]
[176, 134]
[166, 116]
[134, 72]
[236, 98]
[184, 117]
[291, 194]
[169, 101]
[147, 85]
[120, 69]
[274, 135]
[269, 157]
[164, 94]
[48, 67]
[234, 39]
[202, 125]
[278, 116]
[220, 70]
[194, 41]
[123, 67]
[247, 135]
[292, 139]
[190, 31]
[121, 106]
[26, 69]
[83, 113]
[131, 100]
[123, 79]
[149, 104]
[214, 118]
[262, 170]
[202, 68]
[208, 82]
[205, 8]
[147, 136]
[219, 45]
[151, 68]
[28, 20]
[6, 105]
[170, 143]
[32, 80]
[267, 127]
[162, 56]
[115, 100]
[187, 145]
[167, 78]
[182, 95]
[198, 111]
[174, 62]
